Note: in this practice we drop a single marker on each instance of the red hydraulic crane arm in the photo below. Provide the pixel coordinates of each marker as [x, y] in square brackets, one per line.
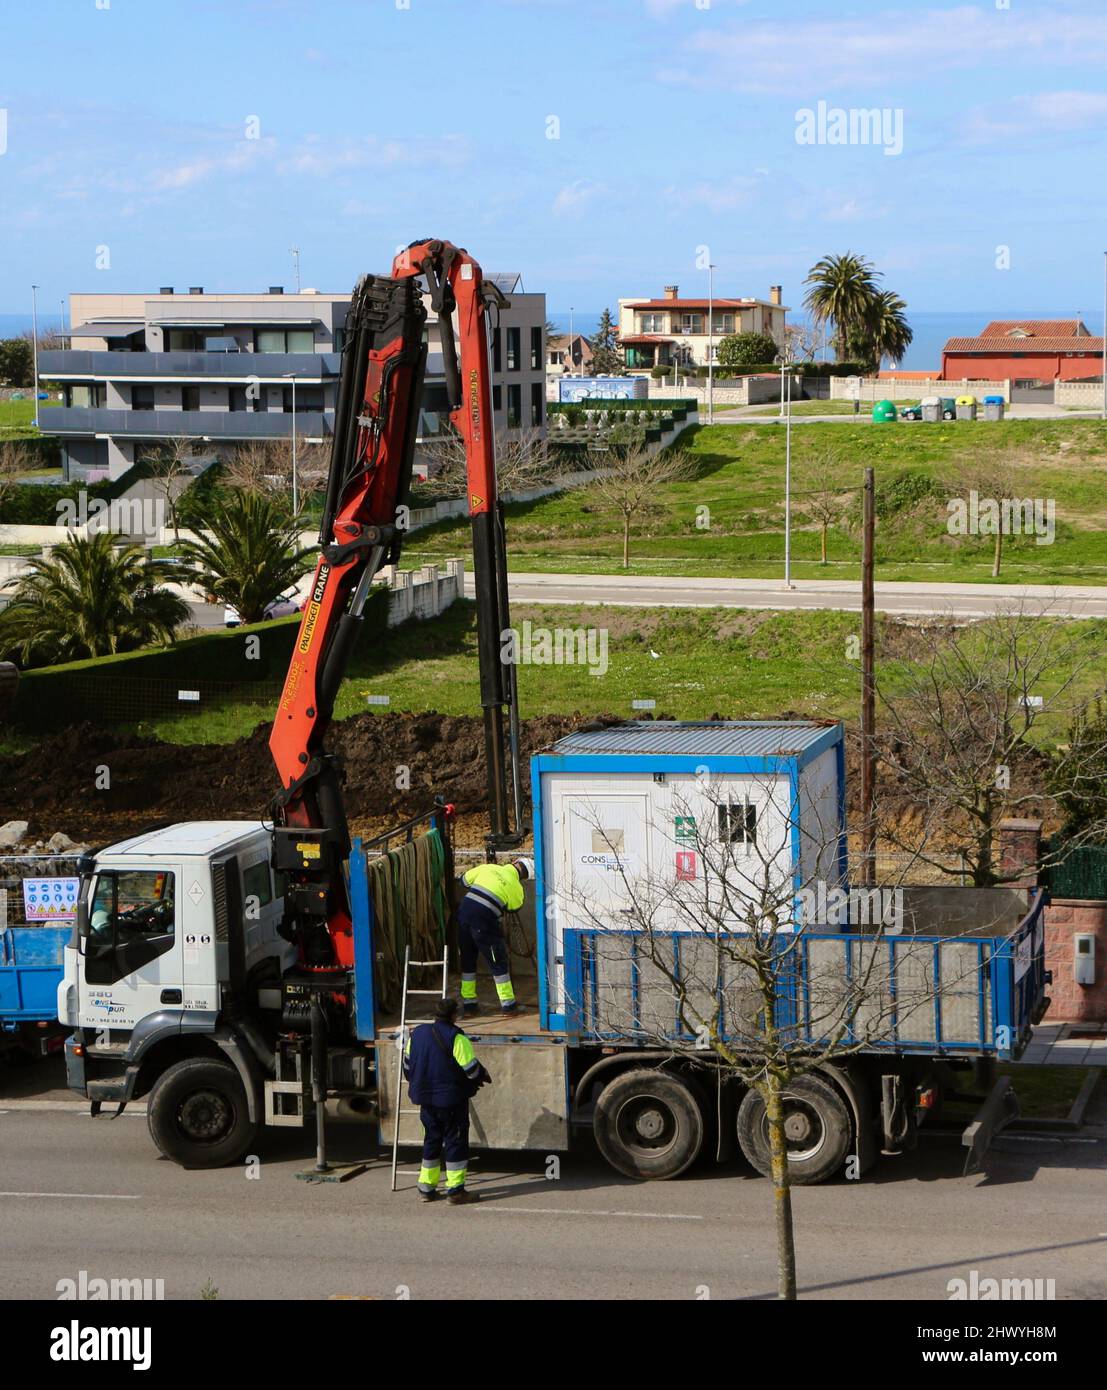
[376, 424]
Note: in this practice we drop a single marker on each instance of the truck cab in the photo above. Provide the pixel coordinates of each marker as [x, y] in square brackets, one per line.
[175, 955]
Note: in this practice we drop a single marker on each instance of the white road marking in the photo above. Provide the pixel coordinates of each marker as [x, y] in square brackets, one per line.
[588, 1211]
[85, 1196]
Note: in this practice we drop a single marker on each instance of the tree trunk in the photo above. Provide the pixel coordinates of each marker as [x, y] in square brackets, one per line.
[998, 555]
[823, 542]
[782, 1191]
[626, 542]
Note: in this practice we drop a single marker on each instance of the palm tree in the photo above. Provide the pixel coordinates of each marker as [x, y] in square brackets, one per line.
[251, 556]
[90, 598]
[843, 291]
[891, 335]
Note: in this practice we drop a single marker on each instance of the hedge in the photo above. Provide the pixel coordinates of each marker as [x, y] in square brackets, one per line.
[145, 684]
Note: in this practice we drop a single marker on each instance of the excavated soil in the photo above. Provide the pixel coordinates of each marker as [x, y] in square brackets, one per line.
[55, 786]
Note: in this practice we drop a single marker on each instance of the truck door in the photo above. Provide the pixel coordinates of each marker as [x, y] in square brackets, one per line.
[132, 948]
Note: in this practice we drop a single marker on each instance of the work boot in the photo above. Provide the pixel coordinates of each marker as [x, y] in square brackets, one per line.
[470, 1010]
[461, 1197]
[428, 1196]
[510, 1008]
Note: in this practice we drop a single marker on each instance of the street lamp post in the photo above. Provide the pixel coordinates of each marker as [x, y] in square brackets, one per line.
[295, 476]
[34, 344]
[787, 400]
[572, 359]
[710, 343]
[1105, 335]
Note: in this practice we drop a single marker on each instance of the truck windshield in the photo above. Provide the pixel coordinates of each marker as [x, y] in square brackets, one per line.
[131, 904]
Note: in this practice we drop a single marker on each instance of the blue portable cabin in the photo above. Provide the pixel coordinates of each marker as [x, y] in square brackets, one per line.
[633, 801]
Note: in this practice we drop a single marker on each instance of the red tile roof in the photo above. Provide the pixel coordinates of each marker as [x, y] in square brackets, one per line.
[1040, 328]
[1028, 346]
[644, 338]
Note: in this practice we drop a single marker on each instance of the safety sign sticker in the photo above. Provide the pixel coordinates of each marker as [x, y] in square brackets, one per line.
[50, 899]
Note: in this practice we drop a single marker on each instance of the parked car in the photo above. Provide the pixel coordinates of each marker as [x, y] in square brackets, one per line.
[949, 408]
[912, 412]
[283, 606]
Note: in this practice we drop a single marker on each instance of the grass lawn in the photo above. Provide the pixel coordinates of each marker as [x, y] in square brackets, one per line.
[732, 662]
[17, 418]
[740, 482]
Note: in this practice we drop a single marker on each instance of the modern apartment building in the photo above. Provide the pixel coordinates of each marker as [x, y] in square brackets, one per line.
[659, 332]
[223, 369]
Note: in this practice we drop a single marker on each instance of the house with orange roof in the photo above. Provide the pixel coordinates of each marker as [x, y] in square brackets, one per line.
[1025, 352]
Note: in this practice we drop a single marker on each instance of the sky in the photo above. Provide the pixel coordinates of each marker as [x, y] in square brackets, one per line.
[602, 148]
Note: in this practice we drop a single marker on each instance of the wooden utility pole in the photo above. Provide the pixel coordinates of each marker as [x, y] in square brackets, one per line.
[868, 688]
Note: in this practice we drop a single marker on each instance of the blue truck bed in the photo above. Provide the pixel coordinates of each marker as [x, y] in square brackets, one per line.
[30, 972]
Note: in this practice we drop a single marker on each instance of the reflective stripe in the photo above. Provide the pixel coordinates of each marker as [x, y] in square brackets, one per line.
[486, 900]
[428, 1178]
[455, 1176]
[463, 1051]
[468, 987]
[504, 991]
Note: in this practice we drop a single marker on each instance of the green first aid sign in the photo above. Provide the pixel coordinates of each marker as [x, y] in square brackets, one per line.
[685, 827]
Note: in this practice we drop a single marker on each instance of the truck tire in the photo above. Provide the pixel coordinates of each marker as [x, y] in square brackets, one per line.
[198, 1116]
[649, 1123]
[817, 1123]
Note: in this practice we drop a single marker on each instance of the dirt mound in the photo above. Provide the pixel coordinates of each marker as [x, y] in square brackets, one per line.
[96, 783]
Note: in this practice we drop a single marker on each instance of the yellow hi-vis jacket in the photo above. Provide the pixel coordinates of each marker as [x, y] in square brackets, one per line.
[500, 880]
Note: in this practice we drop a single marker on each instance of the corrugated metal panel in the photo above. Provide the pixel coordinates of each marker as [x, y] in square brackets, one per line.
[719, 738]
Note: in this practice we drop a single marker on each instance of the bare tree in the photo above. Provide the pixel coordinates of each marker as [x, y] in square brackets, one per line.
[15, 460]
[169, 468]
[823, 495]
[747, 962]
[522, 462]
[632, 477]
[264, 467]
[803, 341]
[968, 735]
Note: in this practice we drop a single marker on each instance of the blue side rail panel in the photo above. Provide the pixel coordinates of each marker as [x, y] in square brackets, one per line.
[30, 973]
[928, 995]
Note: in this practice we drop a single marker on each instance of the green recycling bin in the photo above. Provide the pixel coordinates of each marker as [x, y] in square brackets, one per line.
[884, 411]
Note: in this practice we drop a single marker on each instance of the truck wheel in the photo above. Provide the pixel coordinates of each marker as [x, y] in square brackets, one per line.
[817, 1126]
[198, 1116]
[649, 1124]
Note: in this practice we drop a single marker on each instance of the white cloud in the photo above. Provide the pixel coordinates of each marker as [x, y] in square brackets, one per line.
[1043, 111]
[883, 49]
[576, 197]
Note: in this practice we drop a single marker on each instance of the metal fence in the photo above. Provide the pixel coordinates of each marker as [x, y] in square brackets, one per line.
[1081, 872]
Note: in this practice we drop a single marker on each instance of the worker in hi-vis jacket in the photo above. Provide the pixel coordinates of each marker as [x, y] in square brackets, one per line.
[442, 1074]
[491, 890]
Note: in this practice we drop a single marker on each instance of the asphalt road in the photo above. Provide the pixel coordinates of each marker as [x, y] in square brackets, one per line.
[82, 1194]
[915, 600]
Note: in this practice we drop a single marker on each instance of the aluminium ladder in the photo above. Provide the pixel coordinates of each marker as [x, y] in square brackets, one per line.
[401, 1040]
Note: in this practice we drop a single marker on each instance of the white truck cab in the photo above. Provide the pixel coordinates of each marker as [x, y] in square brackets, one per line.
[176, 963]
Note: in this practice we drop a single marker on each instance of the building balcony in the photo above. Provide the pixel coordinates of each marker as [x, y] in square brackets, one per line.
[309, 367]
[190, 424]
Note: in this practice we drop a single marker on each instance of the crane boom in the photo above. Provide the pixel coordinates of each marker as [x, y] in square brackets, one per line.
[364, 517]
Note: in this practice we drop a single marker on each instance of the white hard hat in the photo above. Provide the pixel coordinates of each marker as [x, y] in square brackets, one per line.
[525, 867]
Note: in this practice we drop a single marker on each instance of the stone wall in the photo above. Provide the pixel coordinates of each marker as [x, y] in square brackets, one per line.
[873, 390]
